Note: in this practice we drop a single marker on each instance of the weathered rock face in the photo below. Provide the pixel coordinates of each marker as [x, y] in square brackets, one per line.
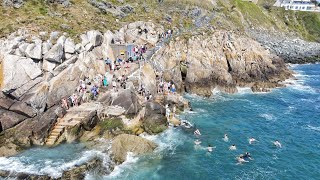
[221, 60]
[35, 78]
[107, 7]
[55, 54]
[128, 100]
[32, 131]
[139, 33]
[13, 3]
[290, 49]
[154, 120]
[125, 143]
[18, 71]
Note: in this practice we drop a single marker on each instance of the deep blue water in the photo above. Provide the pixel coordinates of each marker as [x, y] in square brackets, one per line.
[290, 115]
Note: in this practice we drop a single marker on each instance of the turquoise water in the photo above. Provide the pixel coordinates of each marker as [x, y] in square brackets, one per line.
[290, 115]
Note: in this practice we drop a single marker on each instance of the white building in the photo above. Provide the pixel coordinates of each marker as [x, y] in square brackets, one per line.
[297, 5]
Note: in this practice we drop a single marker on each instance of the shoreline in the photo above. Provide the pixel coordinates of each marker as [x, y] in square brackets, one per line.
[85, 163]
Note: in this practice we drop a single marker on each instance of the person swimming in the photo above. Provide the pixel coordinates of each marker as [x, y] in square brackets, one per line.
[225, 138]
[233, 147]
[197, 132]
[247, 156]
[277, 144]
[210, 148]
[241, 160]
[252, 140]
[197, 142]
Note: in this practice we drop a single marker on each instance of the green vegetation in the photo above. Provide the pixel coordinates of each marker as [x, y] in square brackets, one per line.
[38, 15]
[112, 123]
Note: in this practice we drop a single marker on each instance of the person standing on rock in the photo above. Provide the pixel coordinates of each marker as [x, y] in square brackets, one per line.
[108, 62]
[114, 85]
[105, 81]
[64, 103]
[174, 110]
[173, 88]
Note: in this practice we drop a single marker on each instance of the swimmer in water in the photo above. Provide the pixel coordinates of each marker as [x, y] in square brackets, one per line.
[233, 147]
[241, 160]
[210, 148]
[197, 132]
[225, 138]
[251, 140]
[247, 156]
[277, 144]
[197, 142]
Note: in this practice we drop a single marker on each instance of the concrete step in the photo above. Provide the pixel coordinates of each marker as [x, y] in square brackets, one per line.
[55, 134]
[53, 137]
[59, 126]
[72, 123]
[50, 143]
[57, 131]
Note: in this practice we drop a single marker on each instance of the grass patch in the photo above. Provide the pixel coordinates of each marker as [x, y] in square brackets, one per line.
[112, 123]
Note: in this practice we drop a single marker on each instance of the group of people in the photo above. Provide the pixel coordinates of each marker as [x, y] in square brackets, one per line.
[86, 90]
[242, 158]
[164, 87]
[166, 35]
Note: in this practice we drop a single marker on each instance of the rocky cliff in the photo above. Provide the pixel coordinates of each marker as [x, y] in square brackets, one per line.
[198, 63]
[37, 71]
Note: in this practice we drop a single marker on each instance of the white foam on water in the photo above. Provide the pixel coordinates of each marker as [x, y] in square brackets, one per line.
[167, 143]
[313, 128]
[290, 109]
[118, 170]
[268, 116]
[49, 167]
[216, 91]
[244, 90]
[298, 85]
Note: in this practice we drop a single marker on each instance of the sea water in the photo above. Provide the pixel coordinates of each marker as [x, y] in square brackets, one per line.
[290, 115]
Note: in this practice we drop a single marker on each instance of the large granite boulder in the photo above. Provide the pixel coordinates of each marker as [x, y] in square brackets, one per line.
[32, 131]
[95, 38]
[125, 143]
[55, 54]
[128, 100]
[69, 46]
[34, 51]
[64, 84]
[9, 119]
[18, 71]
[154, 120]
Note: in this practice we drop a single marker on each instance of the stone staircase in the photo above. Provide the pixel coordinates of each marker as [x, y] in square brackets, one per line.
[73, 117]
